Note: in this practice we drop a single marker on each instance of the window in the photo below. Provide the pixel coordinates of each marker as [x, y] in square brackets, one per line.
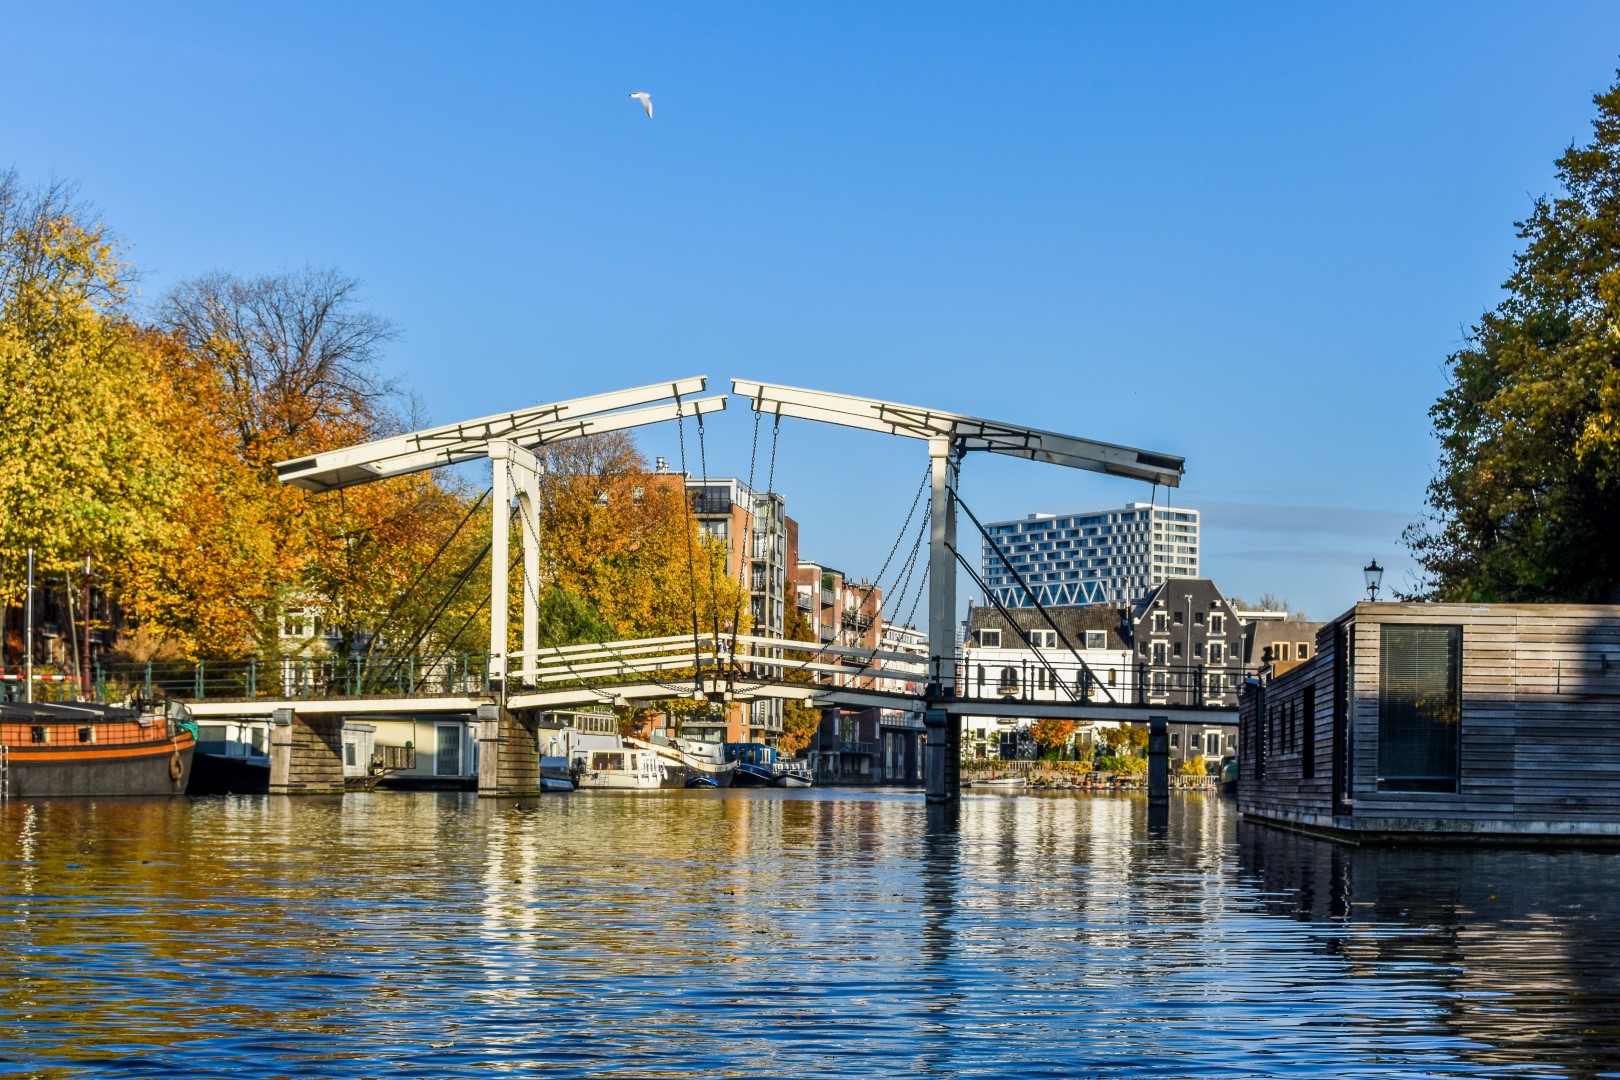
[1212, 743]
[38, 734]
[1177, 648]
[1009, 681]
[87, 734]
[1307, 767]
[1419, 707]
[1216, 652]
[1302, 650]
[447, 753]
[1158, 653]
[1279, 651]
[1198, 649]
[1215, 684]
[1198, 618]
[348, 754]
[1217, 624]
[1175, 740]
[1096, 639]
[1158, 682]
[1110, 676]
[989, 639]
[1043, 639]
[1175, 617]
[1158, 624]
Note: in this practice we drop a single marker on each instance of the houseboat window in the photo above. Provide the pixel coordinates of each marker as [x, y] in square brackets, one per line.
[39, 734]
[447, 751]
[1419, 707]
[87, 734]
[1307, 767]
[348, 754]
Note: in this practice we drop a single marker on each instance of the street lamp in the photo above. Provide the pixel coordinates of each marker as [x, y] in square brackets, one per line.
[1187, 671]
[1375, 577]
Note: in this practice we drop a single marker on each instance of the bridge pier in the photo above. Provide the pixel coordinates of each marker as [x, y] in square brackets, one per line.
[942, 756]
[306, 753]
[508, 752]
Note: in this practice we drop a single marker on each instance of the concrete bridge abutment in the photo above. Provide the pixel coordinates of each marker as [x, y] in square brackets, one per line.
[306, 753]
[508, 752]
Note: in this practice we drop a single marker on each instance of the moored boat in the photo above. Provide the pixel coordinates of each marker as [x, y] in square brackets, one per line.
[689, 764]
[83, 749]
[626, 769]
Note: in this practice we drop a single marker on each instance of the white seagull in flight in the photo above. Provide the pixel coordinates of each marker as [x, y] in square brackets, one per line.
[646, 101]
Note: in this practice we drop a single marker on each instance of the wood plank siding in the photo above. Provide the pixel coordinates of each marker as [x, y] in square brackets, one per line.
[1537, 736]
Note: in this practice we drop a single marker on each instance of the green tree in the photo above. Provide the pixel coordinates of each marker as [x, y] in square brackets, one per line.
[1526, 504]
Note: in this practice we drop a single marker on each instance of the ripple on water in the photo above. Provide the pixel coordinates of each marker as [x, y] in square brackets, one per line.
[782, 934]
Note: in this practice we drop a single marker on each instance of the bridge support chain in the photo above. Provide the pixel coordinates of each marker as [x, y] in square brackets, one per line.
[306, 753]
[508, 752]
[942, 756]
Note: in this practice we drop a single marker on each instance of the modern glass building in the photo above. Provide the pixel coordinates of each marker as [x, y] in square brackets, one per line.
[1095, 557]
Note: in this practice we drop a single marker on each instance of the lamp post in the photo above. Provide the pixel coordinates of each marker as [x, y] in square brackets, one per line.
[1374, 575]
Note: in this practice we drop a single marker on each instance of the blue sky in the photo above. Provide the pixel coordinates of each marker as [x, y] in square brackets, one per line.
[1249, 235]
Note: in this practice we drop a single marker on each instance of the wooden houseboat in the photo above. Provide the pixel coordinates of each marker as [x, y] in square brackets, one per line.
[81, 749]
[1443, 722]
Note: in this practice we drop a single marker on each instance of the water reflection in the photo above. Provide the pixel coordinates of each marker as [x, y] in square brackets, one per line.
[1524, 944]
[781, 934]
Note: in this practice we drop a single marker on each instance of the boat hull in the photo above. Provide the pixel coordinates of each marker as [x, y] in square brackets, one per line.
[220, 774]
[148, 768]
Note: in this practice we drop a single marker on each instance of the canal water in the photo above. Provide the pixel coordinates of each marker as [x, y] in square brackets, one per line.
[783, 934]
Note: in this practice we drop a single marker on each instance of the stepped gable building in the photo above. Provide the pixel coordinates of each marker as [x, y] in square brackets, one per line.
[1113, 556]
[1189, 644]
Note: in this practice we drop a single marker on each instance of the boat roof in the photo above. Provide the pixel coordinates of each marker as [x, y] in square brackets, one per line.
[62, 712]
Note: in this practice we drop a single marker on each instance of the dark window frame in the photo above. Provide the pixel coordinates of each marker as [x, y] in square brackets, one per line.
[1420, 707]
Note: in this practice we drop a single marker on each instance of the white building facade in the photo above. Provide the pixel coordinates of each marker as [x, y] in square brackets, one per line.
[1113, 557]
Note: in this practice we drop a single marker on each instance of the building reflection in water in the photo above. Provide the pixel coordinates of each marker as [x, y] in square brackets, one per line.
[1523, 944]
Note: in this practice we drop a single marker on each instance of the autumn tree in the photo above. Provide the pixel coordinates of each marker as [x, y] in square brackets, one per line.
[1052, 734]
[799, 720]
[84, 467]
[1526, 503]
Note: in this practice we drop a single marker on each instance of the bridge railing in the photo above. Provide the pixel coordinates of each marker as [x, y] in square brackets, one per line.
[282, 678]
[1192, 685]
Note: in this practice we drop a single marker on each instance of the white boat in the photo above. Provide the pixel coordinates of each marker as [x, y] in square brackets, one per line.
[628, 768]
[1002, 782]
[794, 773]
[688, 763]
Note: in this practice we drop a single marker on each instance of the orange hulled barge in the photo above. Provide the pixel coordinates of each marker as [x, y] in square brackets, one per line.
[79, 749]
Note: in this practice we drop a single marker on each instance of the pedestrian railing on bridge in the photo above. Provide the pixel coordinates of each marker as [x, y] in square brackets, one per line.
[1187, 685]
[286, 678]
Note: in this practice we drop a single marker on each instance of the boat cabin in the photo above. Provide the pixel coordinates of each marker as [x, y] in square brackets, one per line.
[1442, 721]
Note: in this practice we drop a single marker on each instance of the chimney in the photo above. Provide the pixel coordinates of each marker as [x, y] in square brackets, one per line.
[660, 466]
